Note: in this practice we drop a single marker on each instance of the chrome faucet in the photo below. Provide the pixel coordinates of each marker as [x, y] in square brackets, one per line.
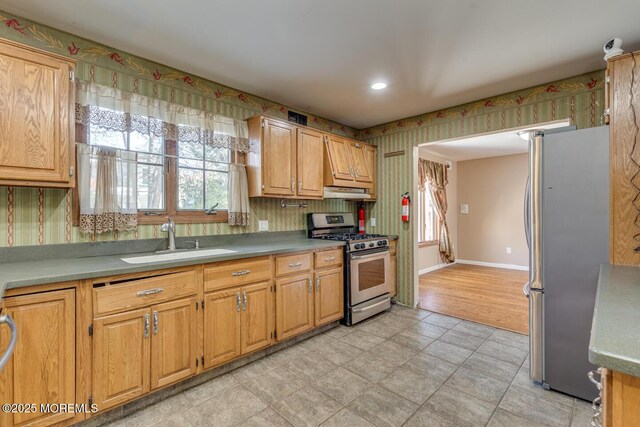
[170, 228]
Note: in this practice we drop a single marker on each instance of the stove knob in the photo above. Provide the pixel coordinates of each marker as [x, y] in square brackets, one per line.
[371, 244]
[380, 242]
[385, 243]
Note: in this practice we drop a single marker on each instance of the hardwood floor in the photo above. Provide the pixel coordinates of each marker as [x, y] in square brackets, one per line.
[492, 296]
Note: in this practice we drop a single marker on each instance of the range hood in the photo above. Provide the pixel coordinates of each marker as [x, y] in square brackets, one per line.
[345, 193]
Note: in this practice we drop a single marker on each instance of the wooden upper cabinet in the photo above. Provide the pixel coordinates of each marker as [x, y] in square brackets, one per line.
[624, 98]
[285, 160]
[121, 357]
[42, 368]
[361, 171]
[339, 159]
[37, 117]
[349, 163]
[310, 174]
[173, 343]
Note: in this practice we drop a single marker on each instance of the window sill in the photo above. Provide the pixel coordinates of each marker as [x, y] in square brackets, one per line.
[195, 217]
[429, 243]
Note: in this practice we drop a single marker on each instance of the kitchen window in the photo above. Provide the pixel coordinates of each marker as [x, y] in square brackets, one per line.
[186, 178]
[427, 218]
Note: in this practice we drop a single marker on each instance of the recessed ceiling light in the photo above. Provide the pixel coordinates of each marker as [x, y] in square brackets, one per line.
[378, 86]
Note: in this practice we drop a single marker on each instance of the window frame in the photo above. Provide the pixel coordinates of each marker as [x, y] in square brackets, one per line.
[170, 187]
[422, 195]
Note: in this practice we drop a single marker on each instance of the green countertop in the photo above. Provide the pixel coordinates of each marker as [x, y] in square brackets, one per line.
[38, 272]
[615, 330]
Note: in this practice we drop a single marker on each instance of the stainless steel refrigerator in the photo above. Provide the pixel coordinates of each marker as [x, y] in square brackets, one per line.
[567, 226]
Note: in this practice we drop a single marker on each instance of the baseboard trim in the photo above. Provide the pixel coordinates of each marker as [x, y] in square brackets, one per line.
[494, 264]
[434, 268]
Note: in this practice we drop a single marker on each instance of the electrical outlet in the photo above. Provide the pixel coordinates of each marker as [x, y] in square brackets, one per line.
[464, 209]
[263, 225]
[372, 222]
[508, 250]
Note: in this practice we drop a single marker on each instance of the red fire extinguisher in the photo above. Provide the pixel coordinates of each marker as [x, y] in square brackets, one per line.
[406, 201]
[361, 218]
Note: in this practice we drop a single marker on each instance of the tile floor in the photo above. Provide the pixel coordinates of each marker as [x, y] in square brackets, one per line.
[403, 367]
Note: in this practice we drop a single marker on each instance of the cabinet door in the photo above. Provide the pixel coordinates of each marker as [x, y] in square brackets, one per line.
[36, 123]
[329, 299]
[339, 157]
[221, 326]
[121, 355]
[257, 317]
[173, 342]
[359, 158]
[371, 159]
[279, 161]
[310, 163]
[294, 305]
[42, 368]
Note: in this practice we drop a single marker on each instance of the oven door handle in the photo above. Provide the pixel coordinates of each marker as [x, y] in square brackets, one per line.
[378, 304]
[376, 254]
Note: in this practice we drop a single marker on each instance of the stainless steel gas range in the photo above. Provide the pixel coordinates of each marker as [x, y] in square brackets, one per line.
[367, 272]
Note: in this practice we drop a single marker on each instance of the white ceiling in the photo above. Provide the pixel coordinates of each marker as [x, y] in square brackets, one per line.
[321, 56]
[486, 145]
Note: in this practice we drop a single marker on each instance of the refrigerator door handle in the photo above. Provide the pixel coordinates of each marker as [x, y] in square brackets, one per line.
[526, 290]
[527, 225]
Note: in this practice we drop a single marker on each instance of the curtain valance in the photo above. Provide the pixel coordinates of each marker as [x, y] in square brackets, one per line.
[117, 110]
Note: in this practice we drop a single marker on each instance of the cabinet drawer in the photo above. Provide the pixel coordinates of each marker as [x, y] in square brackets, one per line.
[293, 264]
[328, 258]
[143, 292]
[235, 273]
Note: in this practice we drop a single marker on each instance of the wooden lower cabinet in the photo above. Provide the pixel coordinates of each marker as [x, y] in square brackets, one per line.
[294, 305]
[393, 267]
[174, 342]
[256, 329]
[621, 399]
[42, 368]
[121, 357]
[237, 321]
[221, 326]
[329, 299]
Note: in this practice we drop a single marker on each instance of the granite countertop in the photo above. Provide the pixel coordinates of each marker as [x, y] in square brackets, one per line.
[48, 269]
[615, 330]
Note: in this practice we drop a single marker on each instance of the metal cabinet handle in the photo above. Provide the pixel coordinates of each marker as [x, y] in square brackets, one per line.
[146, 325]
[12, 342]
[299, 184]
[596, 420]
[237, 301]
[149, 292]
[525, 290]
[317, 284]
[293, 184]
[310, 286]
[244, 301]
[240, 273]
[155, 323]
[295, 264]
[330, 258]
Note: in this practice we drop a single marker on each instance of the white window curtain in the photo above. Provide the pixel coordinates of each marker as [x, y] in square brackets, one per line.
[118, 110]
[107, 189]
[238, 195]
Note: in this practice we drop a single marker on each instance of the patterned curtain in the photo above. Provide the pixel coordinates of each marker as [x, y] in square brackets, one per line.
[436, 175]
[113, 109]
[238, 195]
[107, 189]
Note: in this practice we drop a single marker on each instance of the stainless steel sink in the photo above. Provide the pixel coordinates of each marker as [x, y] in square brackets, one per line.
[170, 256]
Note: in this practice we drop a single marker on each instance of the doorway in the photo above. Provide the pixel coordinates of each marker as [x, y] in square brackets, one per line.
[485, 217]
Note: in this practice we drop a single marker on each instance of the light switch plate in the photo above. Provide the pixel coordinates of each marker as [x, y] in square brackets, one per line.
[373, 222]
[263, 225]
[508, 250]
[464, 209]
